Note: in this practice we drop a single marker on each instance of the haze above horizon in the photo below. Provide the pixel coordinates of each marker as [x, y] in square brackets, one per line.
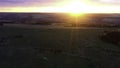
[66, 6]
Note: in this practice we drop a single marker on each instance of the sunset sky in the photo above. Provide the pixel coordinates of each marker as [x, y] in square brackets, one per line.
[81, 6]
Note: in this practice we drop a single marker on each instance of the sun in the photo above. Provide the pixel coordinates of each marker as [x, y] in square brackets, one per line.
[75, 8]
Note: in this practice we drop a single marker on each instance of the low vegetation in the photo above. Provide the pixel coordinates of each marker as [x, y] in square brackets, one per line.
[57, 48]
[112, 37]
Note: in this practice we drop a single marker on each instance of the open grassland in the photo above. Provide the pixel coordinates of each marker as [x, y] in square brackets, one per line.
[56, 48]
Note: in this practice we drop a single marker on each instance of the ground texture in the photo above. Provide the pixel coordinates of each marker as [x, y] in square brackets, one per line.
[56, 48]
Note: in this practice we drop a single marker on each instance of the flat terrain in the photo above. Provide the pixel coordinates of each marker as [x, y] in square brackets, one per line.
[56, 48]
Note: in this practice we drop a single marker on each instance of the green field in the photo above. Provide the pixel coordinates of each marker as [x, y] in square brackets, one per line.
[56, 48]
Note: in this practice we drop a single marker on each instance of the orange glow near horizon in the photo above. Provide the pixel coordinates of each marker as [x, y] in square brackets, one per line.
[70, 6]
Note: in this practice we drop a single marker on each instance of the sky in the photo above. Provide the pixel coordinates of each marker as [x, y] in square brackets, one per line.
[83, 6]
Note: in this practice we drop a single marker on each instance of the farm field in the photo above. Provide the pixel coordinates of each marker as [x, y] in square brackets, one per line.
[56, 48]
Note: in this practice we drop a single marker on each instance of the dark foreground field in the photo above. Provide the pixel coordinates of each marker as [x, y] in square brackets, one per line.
[56, 48]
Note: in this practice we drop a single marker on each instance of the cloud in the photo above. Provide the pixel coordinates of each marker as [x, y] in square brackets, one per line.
[108, 1]
[20, 1]
[7, 3]
[12, 1]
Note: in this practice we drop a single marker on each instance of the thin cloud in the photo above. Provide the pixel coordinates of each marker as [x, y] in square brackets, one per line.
[13, 3]
[114, 2]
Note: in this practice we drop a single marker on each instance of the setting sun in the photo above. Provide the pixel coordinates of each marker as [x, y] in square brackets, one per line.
[74, 7]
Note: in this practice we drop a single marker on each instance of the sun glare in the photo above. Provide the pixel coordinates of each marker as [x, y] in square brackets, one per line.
[73, 7]
[78, 7]
[76, 14]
